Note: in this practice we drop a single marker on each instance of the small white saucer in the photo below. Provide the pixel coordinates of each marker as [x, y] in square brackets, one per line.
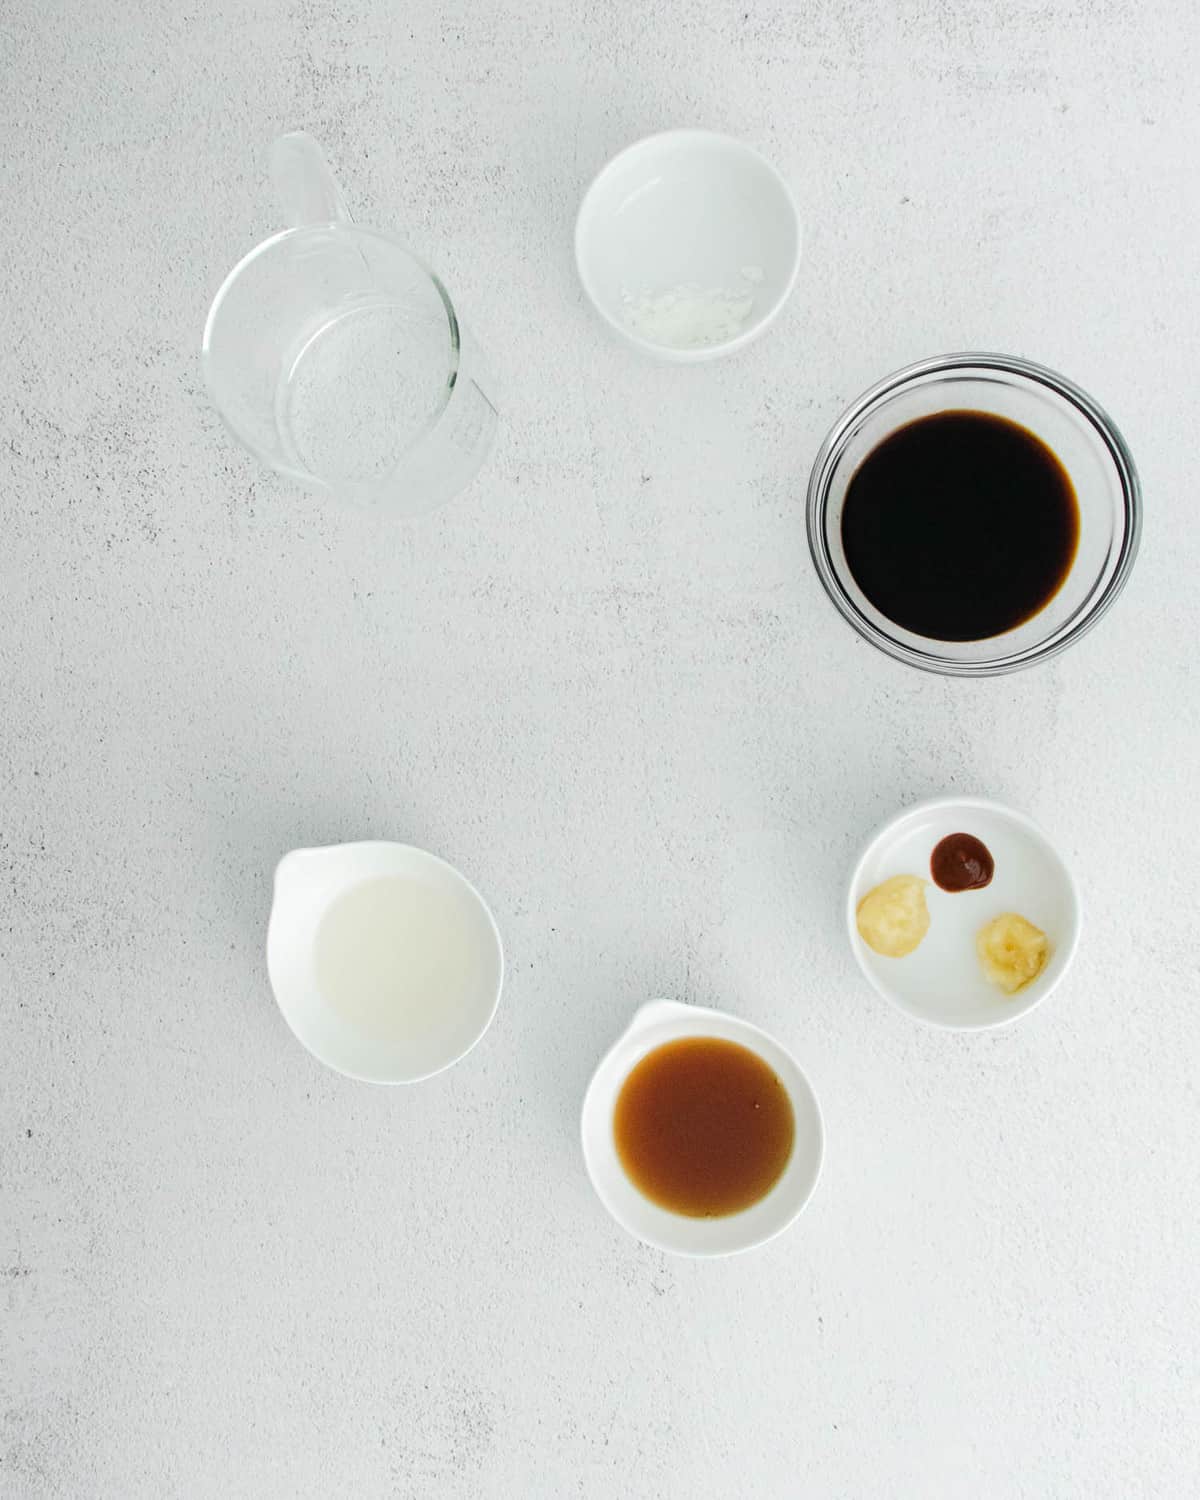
[942, 983]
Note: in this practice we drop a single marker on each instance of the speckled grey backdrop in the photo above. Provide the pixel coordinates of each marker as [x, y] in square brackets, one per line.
[606, 684]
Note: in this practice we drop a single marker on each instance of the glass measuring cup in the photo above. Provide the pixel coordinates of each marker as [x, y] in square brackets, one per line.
[337, 357]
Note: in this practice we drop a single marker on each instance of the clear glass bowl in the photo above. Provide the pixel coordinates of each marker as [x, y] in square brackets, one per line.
[1068, 421]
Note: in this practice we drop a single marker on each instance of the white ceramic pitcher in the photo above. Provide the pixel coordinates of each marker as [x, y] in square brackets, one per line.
[654, 1025]
[385, 961]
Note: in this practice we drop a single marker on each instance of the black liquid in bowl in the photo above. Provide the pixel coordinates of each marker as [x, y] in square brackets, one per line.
[960, 526]
[910, 580]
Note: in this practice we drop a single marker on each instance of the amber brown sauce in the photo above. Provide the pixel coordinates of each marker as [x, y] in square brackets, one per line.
[703, 1127]
[960, 526]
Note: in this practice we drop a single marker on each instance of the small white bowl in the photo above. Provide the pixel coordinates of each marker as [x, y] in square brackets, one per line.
[653, 1025]
[942, 983]
[308, 882]
[687, 244]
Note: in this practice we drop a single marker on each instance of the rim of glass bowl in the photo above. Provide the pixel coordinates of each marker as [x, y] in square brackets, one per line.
[830, 453]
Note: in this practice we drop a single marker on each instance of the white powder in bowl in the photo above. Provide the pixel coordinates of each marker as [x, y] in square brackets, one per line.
[690, 316]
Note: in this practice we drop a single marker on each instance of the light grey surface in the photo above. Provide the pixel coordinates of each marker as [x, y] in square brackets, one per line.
[606, 684]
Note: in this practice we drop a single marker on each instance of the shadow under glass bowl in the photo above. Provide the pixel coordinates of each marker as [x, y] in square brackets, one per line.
[1068, 421]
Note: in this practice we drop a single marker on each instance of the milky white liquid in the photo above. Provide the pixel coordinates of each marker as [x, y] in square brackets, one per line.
[401, 961]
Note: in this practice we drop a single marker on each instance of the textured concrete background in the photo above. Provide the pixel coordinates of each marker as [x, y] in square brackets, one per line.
[607, 685]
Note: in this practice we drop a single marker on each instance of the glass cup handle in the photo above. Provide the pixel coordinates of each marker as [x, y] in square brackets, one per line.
[305, 187]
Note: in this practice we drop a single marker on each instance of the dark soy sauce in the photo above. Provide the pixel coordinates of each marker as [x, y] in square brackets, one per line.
[960, 526]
